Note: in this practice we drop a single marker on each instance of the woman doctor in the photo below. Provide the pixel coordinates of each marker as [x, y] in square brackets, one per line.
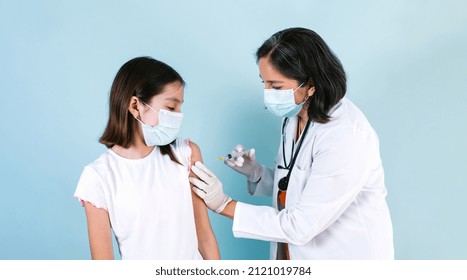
[328, 182]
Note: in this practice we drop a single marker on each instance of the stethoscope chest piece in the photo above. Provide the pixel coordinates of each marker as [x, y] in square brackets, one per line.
[283, 183]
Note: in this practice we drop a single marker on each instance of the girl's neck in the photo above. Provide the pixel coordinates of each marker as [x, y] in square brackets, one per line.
[135, 151]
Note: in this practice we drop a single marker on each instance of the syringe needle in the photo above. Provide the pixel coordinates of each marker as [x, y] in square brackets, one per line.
[234, 154]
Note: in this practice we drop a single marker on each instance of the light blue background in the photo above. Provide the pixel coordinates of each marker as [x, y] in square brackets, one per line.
[406, 64]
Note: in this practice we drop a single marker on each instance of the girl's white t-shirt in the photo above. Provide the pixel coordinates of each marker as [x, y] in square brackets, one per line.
[149, 202]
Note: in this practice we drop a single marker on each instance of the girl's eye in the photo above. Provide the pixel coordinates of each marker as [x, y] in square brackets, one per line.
[171, 108]
[276, 88]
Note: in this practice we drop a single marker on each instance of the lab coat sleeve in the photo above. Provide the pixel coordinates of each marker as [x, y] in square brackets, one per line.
[264, 186]
[340, 167]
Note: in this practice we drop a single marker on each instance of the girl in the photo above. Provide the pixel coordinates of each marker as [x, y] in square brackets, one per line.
[139, 187]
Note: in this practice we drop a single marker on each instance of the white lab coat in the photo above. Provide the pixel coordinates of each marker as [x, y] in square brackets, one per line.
[335, 206]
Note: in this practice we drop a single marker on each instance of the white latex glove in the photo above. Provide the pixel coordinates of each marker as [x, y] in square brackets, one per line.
[209, 188]
[246, 164]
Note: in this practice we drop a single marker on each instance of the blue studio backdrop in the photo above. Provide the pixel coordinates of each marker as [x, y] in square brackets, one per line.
[406, 64]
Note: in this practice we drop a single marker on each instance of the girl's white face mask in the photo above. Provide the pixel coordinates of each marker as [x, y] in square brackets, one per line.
[282, 102]
[167, 129]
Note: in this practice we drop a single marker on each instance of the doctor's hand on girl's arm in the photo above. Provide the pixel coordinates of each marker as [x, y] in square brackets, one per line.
[209, 188]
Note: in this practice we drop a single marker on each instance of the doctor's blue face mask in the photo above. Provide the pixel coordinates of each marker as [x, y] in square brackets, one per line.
[167, 129]
[282, 102]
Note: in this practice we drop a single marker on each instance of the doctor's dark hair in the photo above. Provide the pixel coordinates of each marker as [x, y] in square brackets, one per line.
[143, 77]
[301, 54]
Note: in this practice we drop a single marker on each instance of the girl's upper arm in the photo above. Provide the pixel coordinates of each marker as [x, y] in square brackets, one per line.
[198, 203]
[207, 243]
[195, 153]
[100, 236]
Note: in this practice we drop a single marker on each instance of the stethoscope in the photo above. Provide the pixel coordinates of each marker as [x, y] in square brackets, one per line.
[284, 182]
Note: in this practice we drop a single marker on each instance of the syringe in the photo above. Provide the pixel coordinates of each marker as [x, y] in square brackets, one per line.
[234, 154]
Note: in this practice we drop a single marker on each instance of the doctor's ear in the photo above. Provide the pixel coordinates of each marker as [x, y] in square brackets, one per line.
[133, 106]
[311, 91]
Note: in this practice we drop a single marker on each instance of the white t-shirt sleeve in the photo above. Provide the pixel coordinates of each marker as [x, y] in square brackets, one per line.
[90, 189]
[183, 151]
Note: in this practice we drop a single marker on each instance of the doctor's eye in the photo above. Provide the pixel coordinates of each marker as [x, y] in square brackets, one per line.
[171, 108]
[276, 87]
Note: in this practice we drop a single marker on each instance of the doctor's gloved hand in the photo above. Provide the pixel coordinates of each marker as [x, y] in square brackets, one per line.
[209, 188]
[245, 164]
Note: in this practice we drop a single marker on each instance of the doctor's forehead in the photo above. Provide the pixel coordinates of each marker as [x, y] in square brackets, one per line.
[268, 73]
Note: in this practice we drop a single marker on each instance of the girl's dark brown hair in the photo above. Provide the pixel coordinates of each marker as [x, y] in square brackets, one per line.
[143, 77]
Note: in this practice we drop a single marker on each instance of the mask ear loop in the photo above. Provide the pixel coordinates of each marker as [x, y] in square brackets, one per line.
[149, 108]
[299, 87]
[140, 121]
